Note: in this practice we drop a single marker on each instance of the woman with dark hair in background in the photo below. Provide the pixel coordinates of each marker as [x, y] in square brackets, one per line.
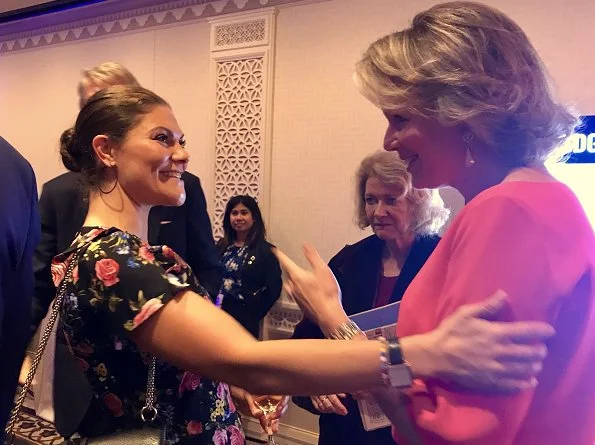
[252, 276]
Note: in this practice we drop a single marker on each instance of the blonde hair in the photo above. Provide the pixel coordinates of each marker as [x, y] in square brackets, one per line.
[429, 213]
[468, 63]
[105, 75]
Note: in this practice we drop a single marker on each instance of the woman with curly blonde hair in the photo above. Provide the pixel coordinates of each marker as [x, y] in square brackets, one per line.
[375, 272]
[468, 105]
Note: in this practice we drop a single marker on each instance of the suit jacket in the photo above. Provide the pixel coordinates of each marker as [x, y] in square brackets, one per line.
[19, 234]
[186, 229]
[261, 287]
[357, 268]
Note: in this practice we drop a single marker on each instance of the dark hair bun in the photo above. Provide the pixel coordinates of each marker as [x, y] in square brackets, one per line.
[111, 112]
[68, 150]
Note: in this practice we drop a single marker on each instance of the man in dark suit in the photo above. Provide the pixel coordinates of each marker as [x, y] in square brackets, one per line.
[19, 234]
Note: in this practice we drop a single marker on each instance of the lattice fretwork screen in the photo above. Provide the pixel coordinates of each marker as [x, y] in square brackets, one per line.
[240, 33]
[239, 127]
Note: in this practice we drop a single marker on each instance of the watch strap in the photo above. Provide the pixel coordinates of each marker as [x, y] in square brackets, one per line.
[398, 370]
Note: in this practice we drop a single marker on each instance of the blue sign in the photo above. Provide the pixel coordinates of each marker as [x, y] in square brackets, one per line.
[582, 143]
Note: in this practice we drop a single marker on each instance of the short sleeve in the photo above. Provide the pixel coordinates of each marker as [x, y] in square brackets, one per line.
[121, 280]
[499, 244]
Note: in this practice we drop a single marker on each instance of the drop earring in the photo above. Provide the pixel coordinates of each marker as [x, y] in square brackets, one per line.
[468, 138]
[112, 165]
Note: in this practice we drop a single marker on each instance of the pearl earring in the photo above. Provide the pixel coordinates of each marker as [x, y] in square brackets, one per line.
[468, 138]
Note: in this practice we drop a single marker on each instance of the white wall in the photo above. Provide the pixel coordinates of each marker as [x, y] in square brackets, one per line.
[38, 91]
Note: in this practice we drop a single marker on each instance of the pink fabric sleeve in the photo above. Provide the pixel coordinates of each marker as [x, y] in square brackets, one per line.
[499, 244]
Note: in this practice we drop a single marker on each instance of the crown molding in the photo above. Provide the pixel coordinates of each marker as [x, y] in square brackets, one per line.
[115, 17]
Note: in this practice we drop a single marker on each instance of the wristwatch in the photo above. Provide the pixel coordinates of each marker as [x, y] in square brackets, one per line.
[398, 370]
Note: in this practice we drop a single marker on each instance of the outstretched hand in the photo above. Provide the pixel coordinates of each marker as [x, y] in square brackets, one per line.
[316, 291]
[479, 353]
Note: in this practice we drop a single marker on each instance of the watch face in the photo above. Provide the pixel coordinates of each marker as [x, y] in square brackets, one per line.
[399, 376]
[395, 355]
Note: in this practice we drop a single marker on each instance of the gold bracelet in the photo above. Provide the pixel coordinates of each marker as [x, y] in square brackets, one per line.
[345, 331]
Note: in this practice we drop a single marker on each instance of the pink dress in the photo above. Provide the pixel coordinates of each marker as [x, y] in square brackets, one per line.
[534, 241]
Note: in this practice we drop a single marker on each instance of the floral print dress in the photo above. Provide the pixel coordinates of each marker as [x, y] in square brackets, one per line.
[118, 282]
[233, 261]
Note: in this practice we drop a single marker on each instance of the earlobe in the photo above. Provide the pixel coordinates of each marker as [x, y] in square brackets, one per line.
[103, 150]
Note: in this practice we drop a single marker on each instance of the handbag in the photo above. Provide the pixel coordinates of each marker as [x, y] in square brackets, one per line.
[147, 435]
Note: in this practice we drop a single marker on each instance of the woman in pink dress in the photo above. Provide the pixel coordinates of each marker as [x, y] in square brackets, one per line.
[468, 106]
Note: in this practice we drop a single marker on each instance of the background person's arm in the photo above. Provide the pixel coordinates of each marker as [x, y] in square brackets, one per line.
[306, 328]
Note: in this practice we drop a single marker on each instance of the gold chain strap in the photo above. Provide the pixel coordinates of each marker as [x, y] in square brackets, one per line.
[148, 412]
[56, 308]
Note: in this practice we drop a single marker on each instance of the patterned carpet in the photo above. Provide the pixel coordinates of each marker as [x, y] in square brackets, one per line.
[31, 430]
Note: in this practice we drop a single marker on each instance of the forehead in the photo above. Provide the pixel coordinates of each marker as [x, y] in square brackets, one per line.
[403, 111]
[159, 116]
[240, 207]
[376, 187]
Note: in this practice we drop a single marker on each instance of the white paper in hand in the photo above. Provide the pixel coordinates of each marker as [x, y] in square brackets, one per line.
[372, 415]
[379, 322]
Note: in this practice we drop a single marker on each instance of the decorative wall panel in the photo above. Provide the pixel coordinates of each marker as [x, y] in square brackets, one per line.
[242, 51]
[241, 33]
[239, 131]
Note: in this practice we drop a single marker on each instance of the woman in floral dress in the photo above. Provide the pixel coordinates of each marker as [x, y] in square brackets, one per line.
[116, 273]
[99, 295]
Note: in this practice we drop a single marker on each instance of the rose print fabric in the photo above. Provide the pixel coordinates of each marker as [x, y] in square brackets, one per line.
[118, 283]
